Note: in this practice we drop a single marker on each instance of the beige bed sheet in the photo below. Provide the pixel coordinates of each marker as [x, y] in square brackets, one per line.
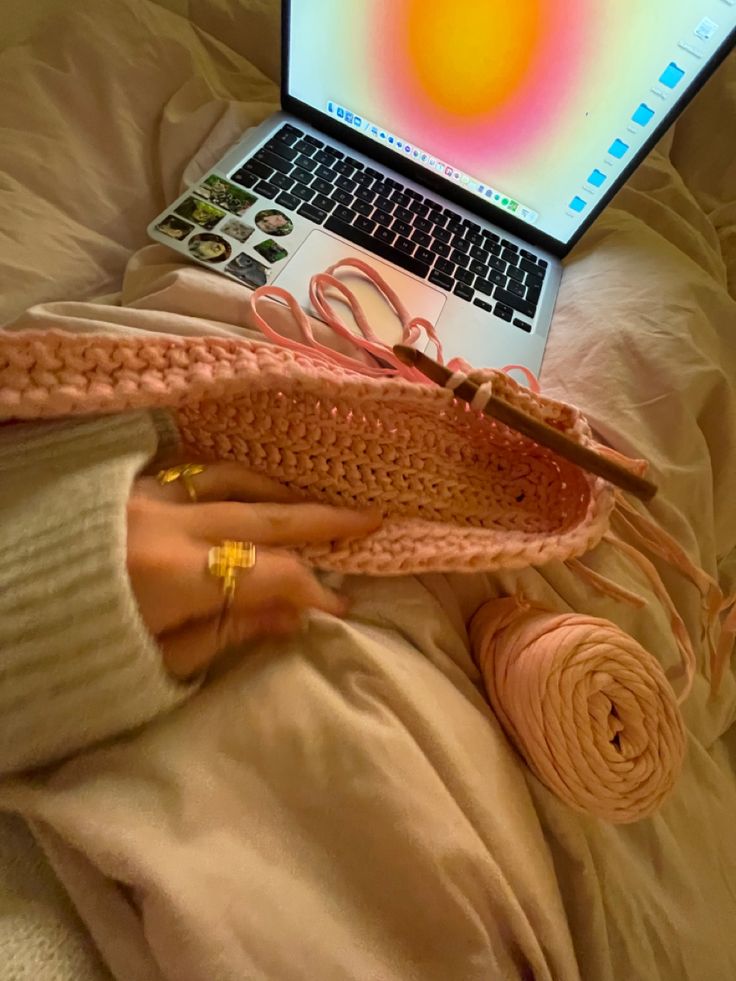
[345, 805]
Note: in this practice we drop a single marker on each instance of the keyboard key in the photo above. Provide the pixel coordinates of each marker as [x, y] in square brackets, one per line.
[504, 312]
[534, 281]
[302, 192]
[528, 266]
[344, 214]
[528, 255]
[306, 163]
[372, 172]
[312, 213]
[385, 234]
[464, 276]
[472, 225]
[289, 133]
[335, 153]
[354, 163]
[459, 258]
[282, 181]
[344, 168]
[322, 187]
[479, 268]
[362, 207]
[515, 302]
[464, 291]
[458, 242]
[384, 204]
[326, 173]
[365, 224]
[455, 226]
[382, 188]
[373, 244]
[491, 236]
[483, 286]
[510, 257]
[440, 279]
[274, 160]
[442, 235]
[360, 177]
[515, 287]
[439, 248]
[533, 293]
[404, 245]
[419, 208]
[497, 278]
[452, 215]
[301, 175]
[480, 254]
[509, 245]
[401, 199]
[413, 194]
[323, 202]
[423, 224]
[342, 197]
[245, 179]
[542, 262]
[404, 214]
[258, 168]
[401, 227]
[421, 238]
[313, 140]
[437, 218]
[523, 325]
[424, 255]
[483, 305]
[346, 184]
[323, 158]
[266, 190]
[493, 247]
[365, 194]
[281, 149]
[380, 217]
[476, 238]
[288, 201]
[513, 272]
[445, 266]
[433, 205]
[498, 264]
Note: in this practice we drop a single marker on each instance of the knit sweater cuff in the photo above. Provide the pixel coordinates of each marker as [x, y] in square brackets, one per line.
[77, 664]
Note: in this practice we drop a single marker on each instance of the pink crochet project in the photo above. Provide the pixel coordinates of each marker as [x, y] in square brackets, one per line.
[460, 492]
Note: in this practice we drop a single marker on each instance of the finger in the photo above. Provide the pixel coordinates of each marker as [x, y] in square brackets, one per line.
[279, 524]
[190, 650]
[223, 481]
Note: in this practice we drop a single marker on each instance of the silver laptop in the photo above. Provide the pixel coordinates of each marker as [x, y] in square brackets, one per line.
[461, 149]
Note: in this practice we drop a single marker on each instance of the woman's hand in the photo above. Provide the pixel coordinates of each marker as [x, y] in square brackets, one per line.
[169, 540]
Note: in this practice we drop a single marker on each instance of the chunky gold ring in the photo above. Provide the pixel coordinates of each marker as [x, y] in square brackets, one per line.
[184, 472]
[225, 562]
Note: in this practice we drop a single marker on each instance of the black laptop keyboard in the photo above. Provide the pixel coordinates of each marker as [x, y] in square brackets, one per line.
[324, 185]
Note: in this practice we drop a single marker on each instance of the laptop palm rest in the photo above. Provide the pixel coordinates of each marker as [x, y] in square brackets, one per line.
[321, 250]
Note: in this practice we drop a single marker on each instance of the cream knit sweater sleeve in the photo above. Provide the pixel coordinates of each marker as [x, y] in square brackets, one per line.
[77, 665]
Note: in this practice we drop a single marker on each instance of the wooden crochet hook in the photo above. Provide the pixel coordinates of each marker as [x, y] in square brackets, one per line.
[534, 429]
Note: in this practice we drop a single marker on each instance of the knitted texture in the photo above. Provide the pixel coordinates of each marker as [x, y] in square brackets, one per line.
[590, 710]
[459, 491]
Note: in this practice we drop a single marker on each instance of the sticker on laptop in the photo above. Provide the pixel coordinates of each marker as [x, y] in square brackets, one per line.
[274, 222]
[174, 227]
[199, 211]
[237, 230]
[209, 248]
[248, 270]
[225, 195]
[270, 250]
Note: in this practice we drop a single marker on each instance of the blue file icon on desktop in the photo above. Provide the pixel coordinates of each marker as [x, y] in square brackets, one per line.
[618, 148]
[671, 75]
[642, 115]
[577, 204]
[597, 178]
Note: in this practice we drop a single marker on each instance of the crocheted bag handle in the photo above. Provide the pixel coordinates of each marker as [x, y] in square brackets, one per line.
[387, 364]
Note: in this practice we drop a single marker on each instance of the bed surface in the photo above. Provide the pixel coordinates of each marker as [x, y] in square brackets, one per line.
[375, 813]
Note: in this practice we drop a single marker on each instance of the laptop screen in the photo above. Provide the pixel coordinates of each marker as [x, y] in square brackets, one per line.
[536, 107]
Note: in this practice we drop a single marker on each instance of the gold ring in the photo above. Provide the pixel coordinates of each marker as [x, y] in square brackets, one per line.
[184, 472]
[226, 560]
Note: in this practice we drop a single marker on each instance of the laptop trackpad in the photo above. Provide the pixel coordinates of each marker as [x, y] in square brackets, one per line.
[321, 250]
